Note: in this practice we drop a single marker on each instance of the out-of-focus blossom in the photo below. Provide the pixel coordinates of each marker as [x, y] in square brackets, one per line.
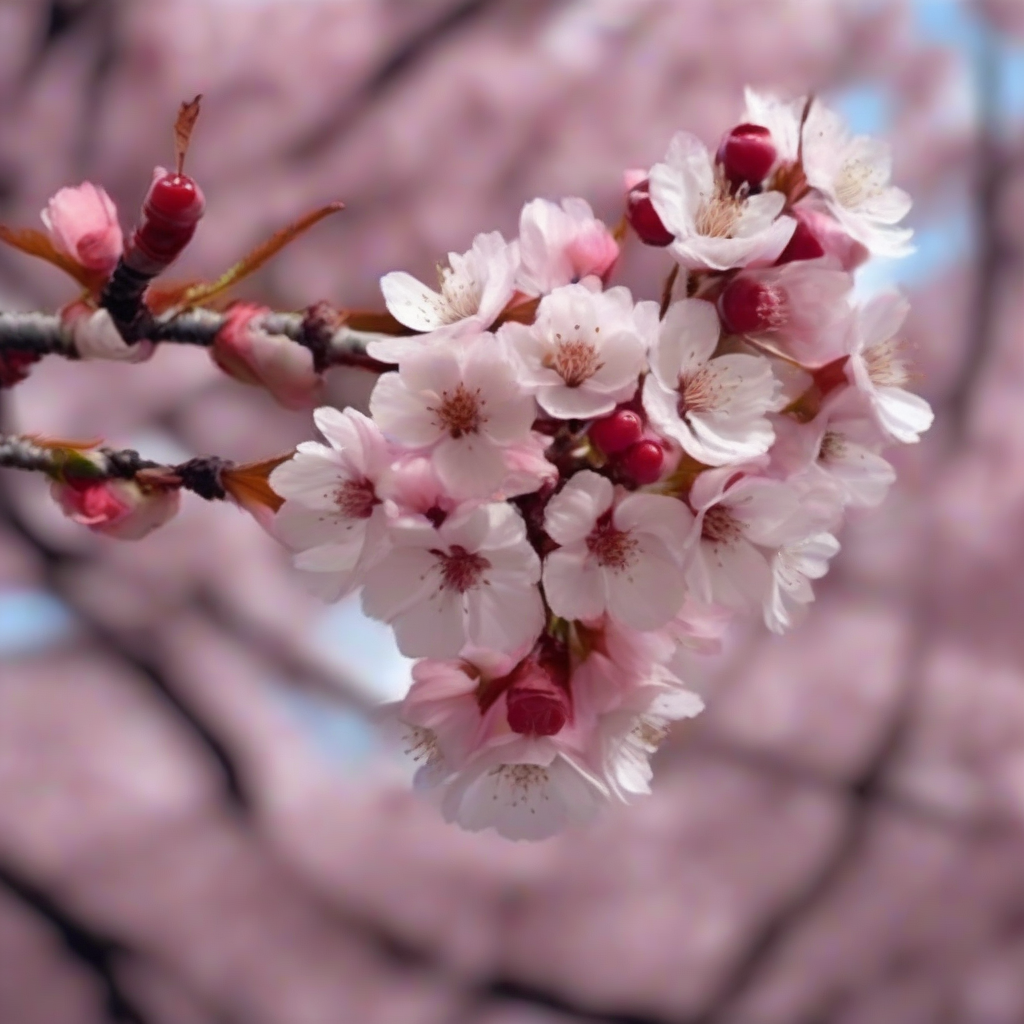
[714, 227]
[82, 222]
[714, 406]
[243, 350]
[116, 508]
[793, 567]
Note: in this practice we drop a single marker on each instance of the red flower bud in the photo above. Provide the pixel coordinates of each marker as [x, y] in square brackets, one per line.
[537, 700]
[748, 306]
[644, 462]
[171, 210]
[643, 218]
[803, 245]
[14, 367]
[747, 154]
[615, 433]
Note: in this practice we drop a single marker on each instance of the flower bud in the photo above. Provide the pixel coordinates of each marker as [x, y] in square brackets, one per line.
[537, 701]
[171, 212]
[747, 154]
[14, 367]
[643, 218]
[617, 432]
[748, 306]
[817, 234]
[117, 508]
[82, 222]
[644, 462]
[253, 356]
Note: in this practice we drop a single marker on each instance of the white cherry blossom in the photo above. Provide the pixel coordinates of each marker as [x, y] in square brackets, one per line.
[560, 244]
[622, 560]
[585, 351]
[781, 117]
[333, 516]
[793, 567]
[471, 580]
[853, 174]
[474, 288]
[714, 407]
[465, 407]
[876, 366]
[715, 228]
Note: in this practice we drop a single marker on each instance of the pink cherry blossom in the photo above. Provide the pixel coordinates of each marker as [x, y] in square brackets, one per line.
[876, 366]
[585, 351]
[781, 117]
[715, 407]
[835, 244]
[853, 174]
[117, 508]
[471, 580]
[839, 446]
[623, 559]
[801, 309]
[82, 222]
[793, 567]
[561, 244]
[715, 228]
[333, 515]
[462, 407]
[243, 350]
[474, 288]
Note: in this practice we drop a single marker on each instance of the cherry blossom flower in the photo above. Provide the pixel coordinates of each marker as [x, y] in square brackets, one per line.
[853, 174]
[116, 508]
[793, 566]
[585, 351]
[471, 580]
[243, 350]
[82, 222]
[463, 407]
[715, 228]
[714, 406]
[876, 366]
[801, 309]
[623, 560]
[840, 447]
[818, 234]
[560, 244]
[333, 515]
[474, 288]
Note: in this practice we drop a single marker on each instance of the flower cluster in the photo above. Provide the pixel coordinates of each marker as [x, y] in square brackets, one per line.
[561, 487]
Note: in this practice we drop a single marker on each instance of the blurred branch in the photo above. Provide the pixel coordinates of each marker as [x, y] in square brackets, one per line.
[95, 951]
[45, 334]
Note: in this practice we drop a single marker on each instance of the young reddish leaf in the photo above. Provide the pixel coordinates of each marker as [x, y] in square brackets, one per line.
[248, 486]
[186, 121]
[39, 244]
[200, 294]
[57, 443]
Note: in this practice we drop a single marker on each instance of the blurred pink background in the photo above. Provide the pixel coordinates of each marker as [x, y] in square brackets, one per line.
[196, 824]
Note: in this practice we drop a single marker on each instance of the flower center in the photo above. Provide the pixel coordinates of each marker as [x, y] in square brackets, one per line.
[856, 183]
[833, 446]
[720, 527]
[612, 548]
[422, 744]
[717, 214]
[575, 360]
[700, 392]
[885, 364]
[461, 570]
[355, 499]
[461, 294]
[460, 411]
[521, 779]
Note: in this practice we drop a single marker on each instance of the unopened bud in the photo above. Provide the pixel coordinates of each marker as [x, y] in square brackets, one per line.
[617, 432]
[537, 700]
[747, 154]
[644, 462]
[171, 211]
[118, 508]
[643, 218]
[748, 306]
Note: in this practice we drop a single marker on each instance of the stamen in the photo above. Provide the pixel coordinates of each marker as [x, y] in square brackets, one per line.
[461, 570]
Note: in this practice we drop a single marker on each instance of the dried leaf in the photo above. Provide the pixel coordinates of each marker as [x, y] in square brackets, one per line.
[248, 486]
[201, 294]
[187, 115]
[376, 323]
[39, 244]
[56, 443]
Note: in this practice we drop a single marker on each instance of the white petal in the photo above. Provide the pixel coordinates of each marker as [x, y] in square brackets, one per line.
[403, 414]
[574, 584]
[650, 592]
[412, 303]
[407, 575]
[433, 627]
[470, 466]
[686, 340]
[668, 519]
[903, 414]
[310, 477]
[572, 513]
[574, 403]
[503, 618]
